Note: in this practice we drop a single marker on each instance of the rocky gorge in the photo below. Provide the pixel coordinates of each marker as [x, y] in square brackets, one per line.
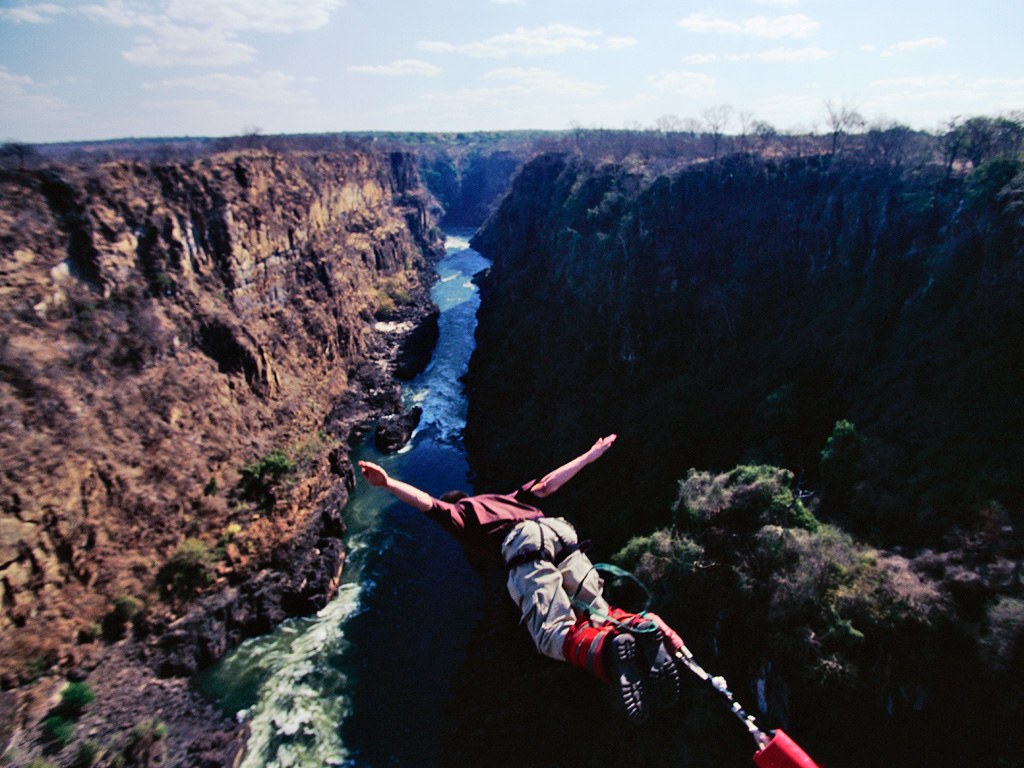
[188, 349]
[812, 364]
[810, 359]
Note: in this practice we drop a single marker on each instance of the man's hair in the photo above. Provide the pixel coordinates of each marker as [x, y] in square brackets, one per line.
[453, 496]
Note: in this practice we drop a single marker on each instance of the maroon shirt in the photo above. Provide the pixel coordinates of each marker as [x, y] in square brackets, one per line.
[482, 522]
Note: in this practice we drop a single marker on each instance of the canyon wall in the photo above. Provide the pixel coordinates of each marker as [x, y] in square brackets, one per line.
[735, 311]
[852, 321]
[186, 350]
[470, 185]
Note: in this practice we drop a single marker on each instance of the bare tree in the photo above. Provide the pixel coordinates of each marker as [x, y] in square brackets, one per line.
[766, 134]
[951, 142]
[887, 142]
[716, 119]
[842, 119]
[747, 123]
[668, 124]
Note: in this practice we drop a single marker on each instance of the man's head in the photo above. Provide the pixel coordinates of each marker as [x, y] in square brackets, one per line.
[453, 496]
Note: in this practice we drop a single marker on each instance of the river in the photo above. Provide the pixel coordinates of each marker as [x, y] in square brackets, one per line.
[361, 682]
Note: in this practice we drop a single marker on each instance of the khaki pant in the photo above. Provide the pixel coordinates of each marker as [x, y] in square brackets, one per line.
[544, 591]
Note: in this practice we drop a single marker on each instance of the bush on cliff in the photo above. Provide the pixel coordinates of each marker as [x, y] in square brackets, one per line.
[748, 496]
[124, 609]
[58, 731]
[75, 697]
[749, 571]
[189, 569]
[261, 478]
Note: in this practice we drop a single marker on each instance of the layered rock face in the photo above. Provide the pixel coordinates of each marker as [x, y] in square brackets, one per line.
[185, 349]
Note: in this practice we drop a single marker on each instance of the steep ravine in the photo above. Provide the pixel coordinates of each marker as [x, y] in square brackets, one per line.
[186, 350]
[764, 311]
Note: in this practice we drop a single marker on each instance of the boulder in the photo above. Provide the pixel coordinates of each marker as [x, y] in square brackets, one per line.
[394, 430]
[417, 348]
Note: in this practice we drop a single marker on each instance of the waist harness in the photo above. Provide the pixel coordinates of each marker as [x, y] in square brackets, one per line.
[562, 551]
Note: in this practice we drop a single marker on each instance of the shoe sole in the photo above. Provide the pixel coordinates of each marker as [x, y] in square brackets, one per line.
[627, 679]
[662, 672]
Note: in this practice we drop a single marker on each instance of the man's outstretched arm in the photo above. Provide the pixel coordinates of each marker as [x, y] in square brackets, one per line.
[410, 494]
[555, 479]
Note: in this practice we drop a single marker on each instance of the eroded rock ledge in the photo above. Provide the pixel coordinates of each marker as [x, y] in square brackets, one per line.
[188, 350]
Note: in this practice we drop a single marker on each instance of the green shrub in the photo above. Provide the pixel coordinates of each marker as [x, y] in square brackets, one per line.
[839, 462]
[230, 533]
[145, 743]
[659, 556]
[87, 754]
[150, 728]
[75, 697]
[385, 305]
[211, 487]
[58, 730]
[988, 179]
[1004, 635]
[746, 498]
[189, 569]
[260, 478]
[124, 609]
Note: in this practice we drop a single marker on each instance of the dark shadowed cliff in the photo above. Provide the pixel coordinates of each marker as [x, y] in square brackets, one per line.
[186, 349]
[853, 321]
[735, 311]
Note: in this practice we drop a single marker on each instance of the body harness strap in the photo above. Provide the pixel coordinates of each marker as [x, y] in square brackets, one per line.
[562, 552]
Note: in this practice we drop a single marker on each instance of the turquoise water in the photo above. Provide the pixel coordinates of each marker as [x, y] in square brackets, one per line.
[363, 682]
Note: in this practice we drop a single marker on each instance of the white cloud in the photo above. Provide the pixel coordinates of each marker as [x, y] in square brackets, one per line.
[280, 16]
[697, 59]
[398, 68]
[203, 33]
[41, 13]
[179, 45]
[776, 2]
[618, 43]
[784, 55]
[790, 25]
[549, 40]
[267, 87]
[931, 92]
[693, 84]
[910, 46]
[921, 81]
[13, 85]
[536, 80]
[22, 105]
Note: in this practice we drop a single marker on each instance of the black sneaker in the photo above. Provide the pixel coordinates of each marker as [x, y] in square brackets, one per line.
[626, 678]
[662, 672]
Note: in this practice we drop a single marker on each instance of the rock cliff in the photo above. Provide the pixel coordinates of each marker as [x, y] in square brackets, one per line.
[186, 349]
[471, 185]
[735, 311]
[850, 320]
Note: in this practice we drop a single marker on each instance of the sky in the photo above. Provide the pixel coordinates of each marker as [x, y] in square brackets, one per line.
[98, 69]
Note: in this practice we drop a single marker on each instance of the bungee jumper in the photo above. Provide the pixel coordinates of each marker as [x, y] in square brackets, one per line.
[559, 592]
[547, 572]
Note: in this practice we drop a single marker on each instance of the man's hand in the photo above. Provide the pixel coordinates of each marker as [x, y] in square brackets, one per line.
[555, 479]
[597, 449]
[374, 474]
[410, 494]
